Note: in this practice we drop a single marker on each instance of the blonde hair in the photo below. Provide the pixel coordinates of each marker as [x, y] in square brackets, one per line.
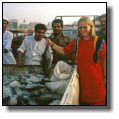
[89, 22]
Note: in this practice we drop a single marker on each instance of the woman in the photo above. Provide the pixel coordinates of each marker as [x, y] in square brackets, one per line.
[92, 75]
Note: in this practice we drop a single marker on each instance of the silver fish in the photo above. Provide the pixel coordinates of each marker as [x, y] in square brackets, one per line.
[31, 87]
[47, 60]
[45, 99]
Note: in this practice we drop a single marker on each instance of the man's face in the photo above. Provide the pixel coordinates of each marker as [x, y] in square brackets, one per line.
[39, 34]
[103, 23]
[57, 28]
[4, 25]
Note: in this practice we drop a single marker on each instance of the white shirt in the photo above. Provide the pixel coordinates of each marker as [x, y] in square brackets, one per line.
[33, 50]
[8, 57]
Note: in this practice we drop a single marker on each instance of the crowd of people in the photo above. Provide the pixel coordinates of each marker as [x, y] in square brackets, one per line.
[88, 50]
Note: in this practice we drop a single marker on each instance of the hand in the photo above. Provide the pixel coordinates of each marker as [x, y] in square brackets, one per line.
[19, 64]
[48, 42]
[4, 50]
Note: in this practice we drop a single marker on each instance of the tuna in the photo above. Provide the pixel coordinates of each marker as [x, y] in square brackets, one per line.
[43, 81]
[33, 86]
[47, 60]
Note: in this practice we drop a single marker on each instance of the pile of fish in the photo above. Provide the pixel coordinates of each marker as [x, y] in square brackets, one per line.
[28, 89]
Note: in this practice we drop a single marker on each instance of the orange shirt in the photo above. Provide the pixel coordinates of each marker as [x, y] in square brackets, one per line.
[91, 74]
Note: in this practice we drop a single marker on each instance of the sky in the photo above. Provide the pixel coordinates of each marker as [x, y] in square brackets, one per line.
[46, 12]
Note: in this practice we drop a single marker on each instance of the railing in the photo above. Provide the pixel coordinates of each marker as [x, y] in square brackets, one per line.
[79, 16]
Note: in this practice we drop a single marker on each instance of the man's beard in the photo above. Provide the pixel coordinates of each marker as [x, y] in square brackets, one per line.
[103, 27]
[57, 33]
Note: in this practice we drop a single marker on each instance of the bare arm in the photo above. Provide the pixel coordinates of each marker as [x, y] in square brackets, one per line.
[55, 47]
[19, 56]
[104, 70]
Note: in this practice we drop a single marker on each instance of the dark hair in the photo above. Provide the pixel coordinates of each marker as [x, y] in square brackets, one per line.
[40, 26]
[5, 20]
[101, 16]
[57, 21]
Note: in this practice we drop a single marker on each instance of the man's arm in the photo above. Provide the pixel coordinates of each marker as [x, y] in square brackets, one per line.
[19, 56]
[5, 50]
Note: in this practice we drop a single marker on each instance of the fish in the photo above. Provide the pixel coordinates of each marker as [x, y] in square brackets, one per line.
[52, 96]
[30, 90]
[7, 80]
[39, 75]
[23, 76]
[55, 102]
[23, 81]
[47, 61]
[43, 81]
[44, 90]
[35, 93]
[6, 94]
[20, 100]
[32, 101]
[34, 79]
[45, 99]
[31, 87]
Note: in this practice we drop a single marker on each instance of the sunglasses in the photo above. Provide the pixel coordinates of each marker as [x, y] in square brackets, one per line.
[84, 27]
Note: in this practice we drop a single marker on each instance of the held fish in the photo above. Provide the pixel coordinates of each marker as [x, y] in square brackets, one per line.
[47, 60]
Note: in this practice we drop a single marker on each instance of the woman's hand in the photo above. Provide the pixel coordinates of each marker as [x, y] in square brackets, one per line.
[48, 42]
[57, 48]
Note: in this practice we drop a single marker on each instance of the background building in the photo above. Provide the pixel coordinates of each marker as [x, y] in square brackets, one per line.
[32, 24]
[24, 25]
[14, 23]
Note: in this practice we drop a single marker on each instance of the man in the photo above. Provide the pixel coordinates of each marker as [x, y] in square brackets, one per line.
[102, 33]
[8, 57]
[61, 40]
[33, 47]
